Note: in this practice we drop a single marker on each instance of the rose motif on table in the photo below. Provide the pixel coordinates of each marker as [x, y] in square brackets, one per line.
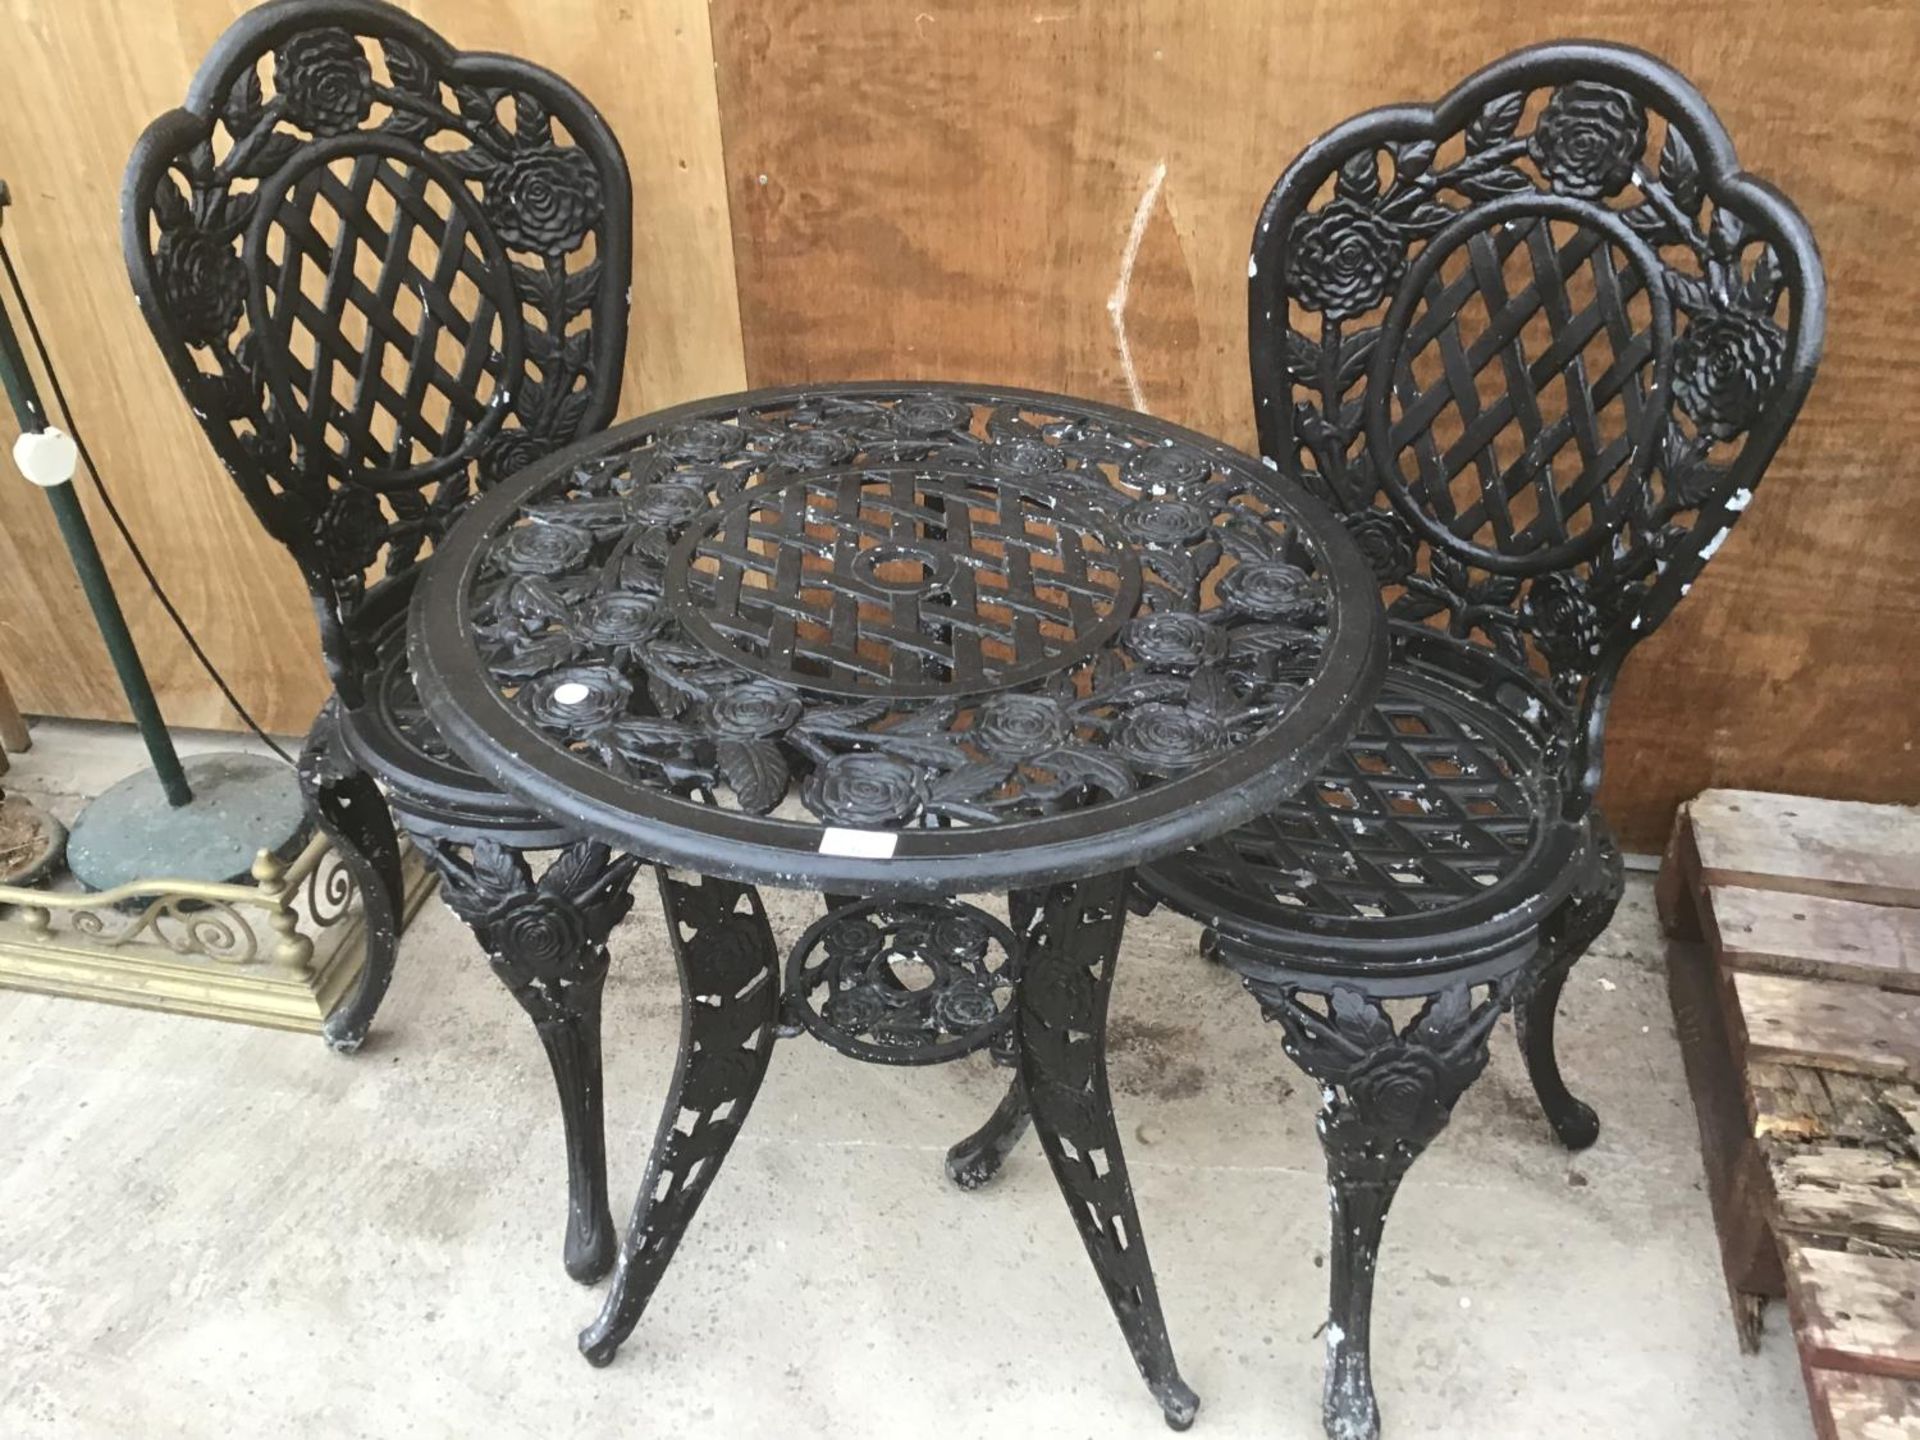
[864, 788]
[577, 698]
[541, 933]
[1019, 727]
[1589, 139]
[507, 452]
[324, 81]
[1397, 1089]
[1173, 641]
[965, 1006]
[813, 449]
[1562, 619]
[544, 200]
[753, 711]
[1164, 523]
[1167, 740]
[853, 941]
[1725, 366]
[1166, 470]
[704, 442]
[352, 528]
[541, 548]
[1271, 590]
[855, 1011]
[202, 285]
[1387, 541]
[1024, 455]
[1343, 260]
[618, 619]
[667, 505]
[961, 937]
[924, 416]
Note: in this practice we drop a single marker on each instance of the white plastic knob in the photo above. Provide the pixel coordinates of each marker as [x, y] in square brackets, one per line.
[47, 457]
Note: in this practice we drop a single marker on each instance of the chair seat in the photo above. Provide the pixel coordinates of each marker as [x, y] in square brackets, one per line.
[426, 781]
[1433, 840]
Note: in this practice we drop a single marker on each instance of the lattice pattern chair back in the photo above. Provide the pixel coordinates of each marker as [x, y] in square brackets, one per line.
[1538, 344]
[383, 272]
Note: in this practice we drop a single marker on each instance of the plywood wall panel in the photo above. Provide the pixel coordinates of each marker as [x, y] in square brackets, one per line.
[83, 78]
[975, 189]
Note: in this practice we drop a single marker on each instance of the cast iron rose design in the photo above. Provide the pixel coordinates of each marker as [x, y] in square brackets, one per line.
[541, 932]
[1019, 727]
[864, 788]
[704, 442]
[1166, 739]
[619, 619]
[1173, 641]
[667, 504]
[813, 449]
[577, 698]
[1167, 470]
[967, 1004]
[1588, 139]
[1164, 522]
[541, 548]
[1399, 1088]
[324, 80]
[1563, 620]
[753, 711]
[1023, 455]
[202, 284]
[1387, 542]
[928, 415]
[1343, 260]
[509, 451]
[353, 528]
[545, 200]
[1725, 367]
[853, 941]
[1271, 590]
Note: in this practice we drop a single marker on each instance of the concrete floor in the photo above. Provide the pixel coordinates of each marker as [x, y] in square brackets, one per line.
[210, 1230]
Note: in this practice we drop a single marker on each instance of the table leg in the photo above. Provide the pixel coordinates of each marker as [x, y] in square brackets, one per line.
[1072, 940]
[548, 943]
[730, 1008]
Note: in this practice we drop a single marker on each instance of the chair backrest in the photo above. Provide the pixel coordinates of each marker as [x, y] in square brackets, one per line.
[384, 273]
[1538, 344]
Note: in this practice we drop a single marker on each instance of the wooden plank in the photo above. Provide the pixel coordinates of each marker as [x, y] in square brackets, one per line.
[13, 725]
[648, 67]
[1848, 1194]
[1818, 937]
[1855, 1312]
[1677, 898]
[1739, 1187]
[952, 190]
[1865, 853]
[1795, 1104]
[1863, 1407]
[1829, 1024]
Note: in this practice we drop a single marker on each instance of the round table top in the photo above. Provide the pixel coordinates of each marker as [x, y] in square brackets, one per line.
[898, 638]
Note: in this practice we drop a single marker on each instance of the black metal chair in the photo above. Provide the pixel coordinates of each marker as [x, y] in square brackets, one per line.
[1538, 344]
[386, 273]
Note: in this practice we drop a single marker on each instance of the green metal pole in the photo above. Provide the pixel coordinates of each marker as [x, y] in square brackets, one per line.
[93, 574]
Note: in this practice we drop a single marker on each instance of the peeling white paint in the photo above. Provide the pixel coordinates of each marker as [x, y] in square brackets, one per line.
[1741, 499]
[1713, 545]
[1117, 302]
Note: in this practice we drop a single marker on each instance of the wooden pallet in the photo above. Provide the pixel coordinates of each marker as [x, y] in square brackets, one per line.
[1794, 969]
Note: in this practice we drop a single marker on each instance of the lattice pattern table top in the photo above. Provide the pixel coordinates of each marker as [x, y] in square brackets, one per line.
[898, 639]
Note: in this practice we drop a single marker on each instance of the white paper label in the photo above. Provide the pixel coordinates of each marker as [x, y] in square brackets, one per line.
[571, 693]
[858, 844]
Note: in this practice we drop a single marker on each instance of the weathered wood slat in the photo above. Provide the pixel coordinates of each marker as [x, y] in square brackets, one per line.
[1866, 853]
[1863, 1407]
[1855, 1312]
[1830, 1025]
[1841, 1194]
[1794, 1103]
[1816, 937]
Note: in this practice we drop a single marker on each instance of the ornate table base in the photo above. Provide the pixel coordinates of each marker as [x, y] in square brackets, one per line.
[1035, 993]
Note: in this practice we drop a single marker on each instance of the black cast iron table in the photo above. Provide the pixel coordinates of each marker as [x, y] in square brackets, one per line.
[896, 644]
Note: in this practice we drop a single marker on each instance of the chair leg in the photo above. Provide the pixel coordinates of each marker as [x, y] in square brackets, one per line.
[1071, 942]
[547, 941]
[1388, 1096]
[352, 813]
[730, 1006]
[1564, 938]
